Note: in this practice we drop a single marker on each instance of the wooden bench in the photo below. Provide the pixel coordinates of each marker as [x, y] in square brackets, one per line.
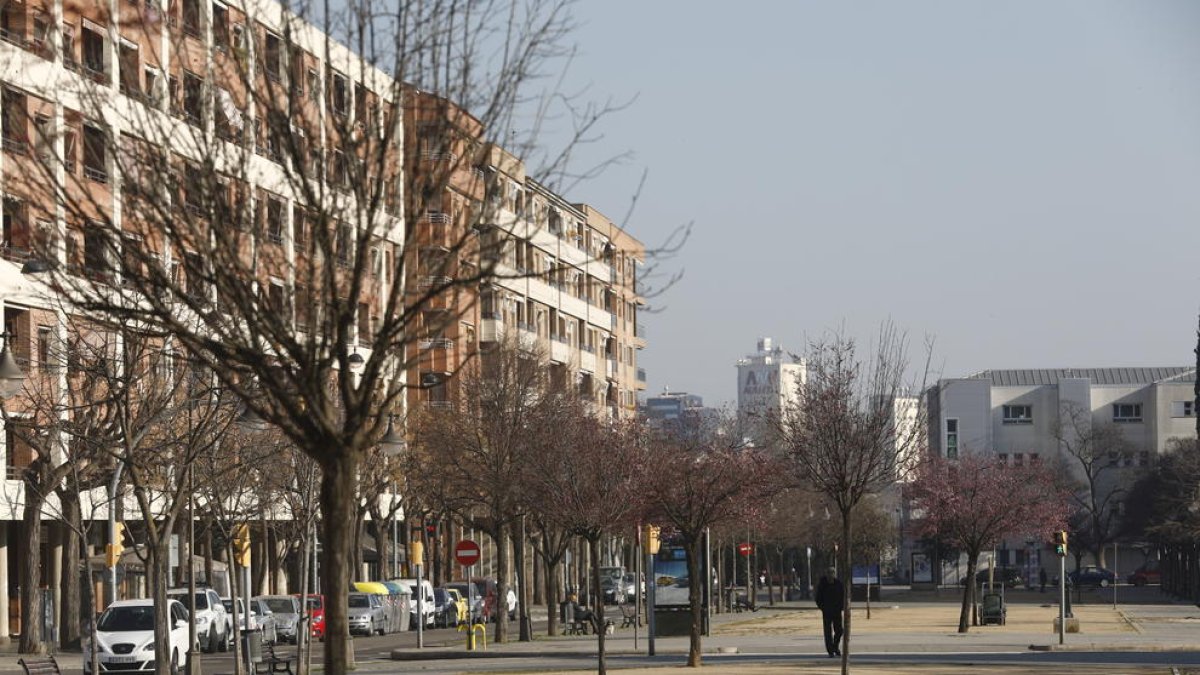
[46, 666]
[271, 663]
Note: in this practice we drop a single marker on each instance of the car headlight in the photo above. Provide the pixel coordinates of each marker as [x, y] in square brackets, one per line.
[202, 620]
[148, 647]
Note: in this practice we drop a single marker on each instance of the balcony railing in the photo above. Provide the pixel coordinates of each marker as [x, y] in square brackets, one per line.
[98, 175]
[641, 375]
[436, 217]
[15, 145]
[438, 404]
[437, 343]
[639, 330]
[441, 156]
[11, 37]
[430, 282]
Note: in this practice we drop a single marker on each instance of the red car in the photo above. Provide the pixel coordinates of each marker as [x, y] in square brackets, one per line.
[1146, 574]
[316, 611]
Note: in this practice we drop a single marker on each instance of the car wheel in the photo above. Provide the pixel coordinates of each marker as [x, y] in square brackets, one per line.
[223, 643]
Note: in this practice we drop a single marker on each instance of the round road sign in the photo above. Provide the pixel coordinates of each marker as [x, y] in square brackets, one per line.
[745, 548]
[466, 552]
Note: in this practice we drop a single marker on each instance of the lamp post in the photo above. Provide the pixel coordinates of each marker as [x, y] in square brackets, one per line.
[393, 444]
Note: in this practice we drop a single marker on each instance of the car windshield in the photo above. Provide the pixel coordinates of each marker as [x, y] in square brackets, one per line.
[229, 605]
[281, 605]
[439, 594]
[201, 599]
[314, 603]
[359, 601]
[121, 619]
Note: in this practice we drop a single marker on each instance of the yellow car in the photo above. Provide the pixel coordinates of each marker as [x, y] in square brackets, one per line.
[452, 607]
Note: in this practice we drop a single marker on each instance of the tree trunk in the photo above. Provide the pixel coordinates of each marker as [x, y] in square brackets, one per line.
[359, 526]
[503, 564]
[597, 604]
[848, 576]
[339, 478]
[383, 549]
[157, 564]
[31, 572]
[695, 558]
[525, 629]
[69, 631]
[550, 577]
[968, 601]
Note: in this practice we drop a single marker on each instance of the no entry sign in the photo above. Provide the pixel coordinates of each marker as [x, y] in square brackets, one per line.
[745, 548]
[466, 552]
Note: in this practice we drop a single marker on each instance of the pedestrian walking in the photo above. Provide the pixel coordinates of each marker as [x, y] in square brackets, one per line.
[831, 600]
[1042, 578]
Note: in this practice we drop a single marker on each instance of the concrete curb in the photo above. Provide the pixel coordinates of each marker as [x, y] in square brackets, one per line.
[1104, 647]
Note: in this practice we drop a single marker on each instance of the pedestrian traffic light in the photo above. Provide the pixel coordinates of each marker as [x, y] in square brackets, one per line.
[431, 530]
[112, 552]
[241, 544]
[1060, 542]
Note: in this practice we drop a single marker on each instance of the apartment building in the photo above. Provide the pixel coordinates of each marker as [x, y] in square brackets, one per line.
[107, 104]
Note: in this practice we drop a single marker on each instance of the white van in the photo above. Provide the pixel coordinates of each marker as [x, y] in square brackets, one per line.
[428, 604]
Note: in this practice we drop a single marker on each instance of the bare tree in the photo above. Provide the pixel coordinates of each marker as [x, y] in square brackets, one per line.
[246, 201]
[843, 432]
[1096, 455]
[478, 448]
[590, 483]
[701, 475]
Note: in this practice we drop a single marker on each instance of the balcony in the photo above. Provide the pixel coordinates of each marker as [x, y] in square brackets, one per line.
[435, 282]
[587, 362]
[491, 329]
[610, 368]
[436, 217]
[641, 375]
[437, 343]
[560, 351]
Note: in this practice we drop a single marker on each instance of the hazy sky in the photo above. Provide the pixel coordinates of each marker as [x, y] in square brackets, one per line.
[1018, 180]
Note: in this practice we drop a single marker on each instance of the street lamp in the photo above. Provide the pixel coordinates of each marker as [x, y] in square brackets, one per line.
[12, 378]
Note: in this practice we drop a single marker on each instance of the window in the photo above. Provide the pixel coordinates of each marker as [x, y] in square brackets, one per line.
[1033, 458]
[952, 438]
[95, 252]
[345, 242]
[193, 97]
[275, 297]
[273, 58]
[338, 94]
[93, 55]
[1018, 414]
[364, 324]
[1002, 457]
[14, 122]
[1018, 459]
[150, 76]
[1183, 409]
[129, 70]
[220, 26]
[191, 18]
[299, 228]
[68, 46]
[1127, 412]
[131, 259]
[274, 216]
[314, 86]
[95, 162]
[45, 337]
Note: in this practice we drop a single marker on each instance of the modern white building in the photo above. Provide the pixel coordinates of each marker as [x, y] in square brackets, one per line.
[1014, 413]
[1019, 415]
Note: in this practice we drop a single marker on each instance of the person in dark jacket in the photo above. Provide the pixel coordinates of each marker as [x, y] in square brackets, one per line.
[831, 600]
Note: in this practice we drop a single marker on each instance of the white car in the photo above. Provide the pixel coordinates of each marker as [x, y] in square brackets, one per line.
[125, 637]
[214, 626]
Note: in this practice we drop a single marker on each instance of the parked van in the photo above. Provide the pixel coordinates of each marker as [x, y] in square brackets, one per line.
[428, 602]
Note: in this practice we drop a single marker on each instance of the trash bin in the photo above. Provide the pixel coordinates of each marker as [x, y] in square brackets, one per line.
[252, 646]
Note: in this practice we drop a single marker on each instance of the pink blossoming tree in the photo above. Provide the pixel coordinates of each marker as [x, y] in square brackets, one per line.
[976, 500]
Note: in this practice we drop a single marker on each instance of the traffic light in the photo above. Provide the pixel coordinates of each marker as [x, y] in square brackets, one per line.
[431, 530]
[112, 552]
[241, 544]
[1060, 542]
[652, 541]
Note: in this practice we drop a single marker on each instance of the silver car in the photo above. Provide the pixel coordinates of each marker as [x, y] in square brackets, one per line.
[286, 611]
[260, 619]
[367, 614]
